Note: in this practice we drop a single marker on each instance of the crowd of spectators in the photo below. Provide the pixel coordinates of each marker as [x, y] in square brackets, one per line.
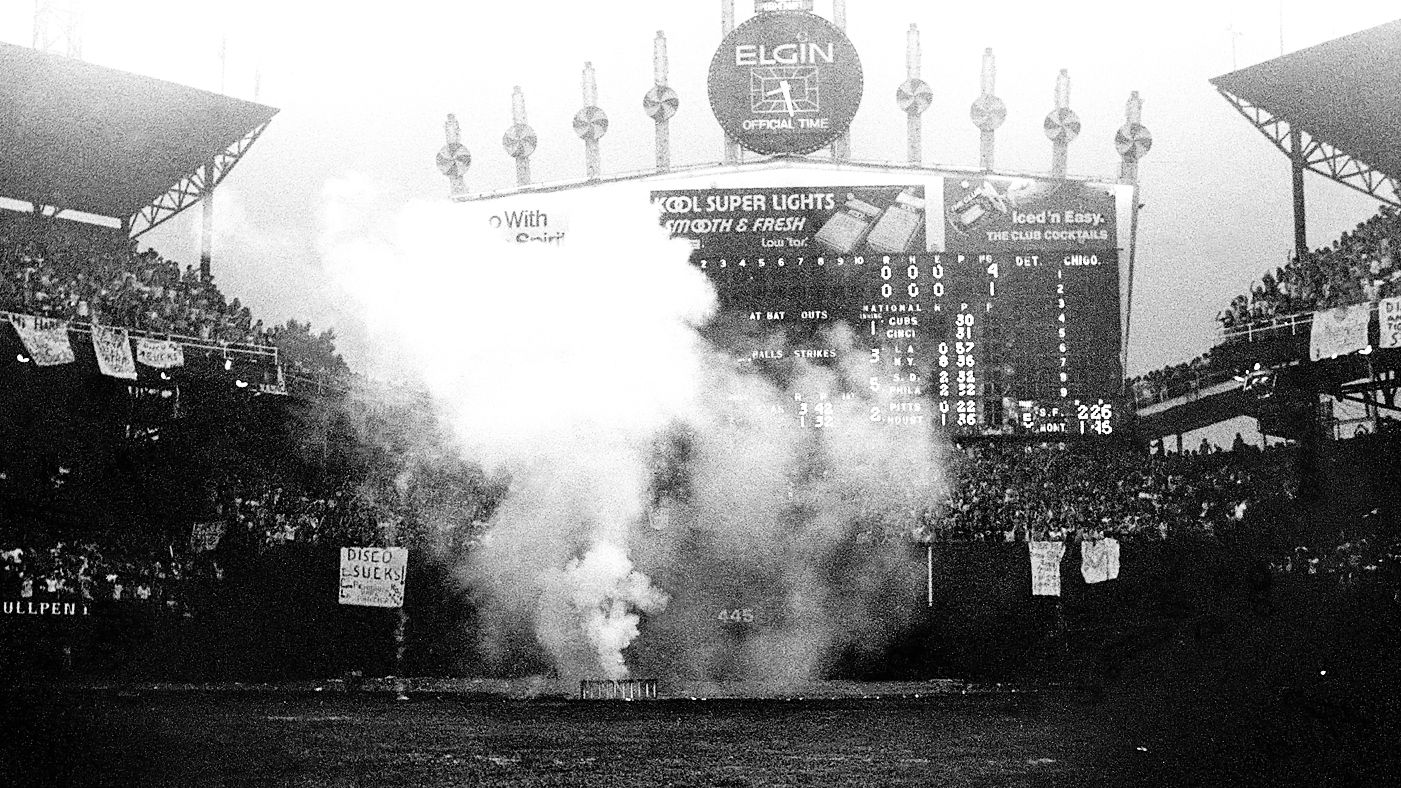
[1172, 381]
[112, 566]
[1018, 492]
[79, 272]
[1360, 266]
[267, 514]
[1006, 492]
[998, 492]
[74, 272]
[131, 565]
[1351, 560]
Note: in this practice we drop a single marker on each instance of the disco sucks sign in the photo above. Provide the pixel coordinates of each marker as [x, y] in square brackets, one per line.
[785, 82]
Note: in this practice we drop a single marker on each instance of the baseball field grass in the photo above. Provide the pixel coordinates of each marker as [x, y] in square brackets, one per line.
[189, 738]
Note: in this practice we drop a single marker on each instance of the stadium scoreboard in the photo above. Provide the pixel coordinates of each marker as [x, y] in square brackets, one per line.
[997, 313]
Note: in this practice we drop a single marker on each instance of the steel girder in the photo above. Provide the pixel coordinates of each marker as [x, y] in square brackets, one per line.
[1318, 155]
[192, 188]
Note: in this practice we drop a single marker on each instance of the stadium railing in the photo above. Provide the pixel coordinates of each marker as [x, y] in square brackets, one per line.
[1188, 387]
[1291, 325]
[1299, 324]
[232, 348]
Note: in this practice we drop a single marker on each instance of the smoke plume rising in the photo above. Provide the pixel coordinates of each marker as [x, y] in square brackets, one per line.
[656, 484]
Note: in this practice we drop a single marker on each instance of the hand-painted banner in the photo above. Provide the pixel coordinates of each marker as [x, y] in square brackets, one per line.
[1340, 331]
[159, 353]
[113, 350]
[1002, 214]
[1099, 560]
[1389, 316]
[46, 341]
[1045, 567]
[373, 576]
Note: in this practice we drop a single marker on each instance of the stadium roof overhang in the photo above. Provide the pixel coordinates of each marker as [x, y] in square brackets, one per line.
[77, 136]
[1341, 98]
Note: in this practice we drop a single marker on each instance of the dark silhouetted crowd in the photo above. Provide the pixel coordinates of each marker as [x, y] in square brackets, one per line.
[1360, 266]
[1348, 560]
[268, 514]
[1019, 492]
[133, 564]
[113, 566]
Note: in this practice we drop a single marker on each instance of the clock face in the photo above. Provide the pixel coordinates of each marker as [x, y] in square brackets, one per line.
[787, 82]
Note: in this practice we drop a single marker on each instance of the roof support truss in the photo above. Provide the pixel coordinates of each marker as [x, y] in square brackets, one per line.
[1319, 156]
[193, 187]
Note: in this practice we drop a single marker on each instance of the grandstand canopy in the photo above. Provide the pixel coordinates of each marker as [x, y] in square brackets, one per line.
[88, 138]
[1342, 92]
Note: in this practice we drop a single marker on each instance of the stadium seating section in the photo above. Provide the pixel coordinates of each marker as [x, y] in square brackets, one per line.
[236, 487]
[1360, 266]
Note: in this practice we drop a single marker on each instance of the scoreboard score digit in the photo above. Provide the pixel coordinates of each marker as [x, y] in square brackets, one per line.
[968, 342]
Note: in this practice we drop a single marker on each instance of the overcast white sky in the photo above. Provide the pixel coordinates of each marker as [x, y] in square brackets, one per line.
[364, 88]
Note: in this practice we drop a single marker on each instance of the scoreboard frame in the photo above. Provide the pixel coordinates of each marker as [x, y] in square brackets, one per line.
[861, 216]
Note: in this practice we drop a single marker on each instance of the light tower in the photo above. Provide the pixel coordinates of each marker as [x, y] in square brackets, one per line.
[841, 146]
[519, 140]
[1062, 126]
[914, 96]
[730, 149]
[454, 158]
[661, 102]
[988, 111]
[1132, 141]
[590, 124]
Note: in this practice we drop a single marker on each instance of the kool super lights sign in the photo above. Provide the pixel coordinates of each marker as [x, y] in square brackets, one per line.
[786, 82]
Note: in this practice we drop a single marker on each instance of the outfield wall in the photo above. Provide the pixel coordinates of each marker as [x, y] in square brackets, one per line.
[276, 618]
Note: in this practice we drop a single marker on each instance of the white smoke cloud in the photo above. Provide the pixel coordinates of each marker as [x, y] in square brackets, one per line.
[807, 530]
[601, 594]
[557, 366]
[653, 480]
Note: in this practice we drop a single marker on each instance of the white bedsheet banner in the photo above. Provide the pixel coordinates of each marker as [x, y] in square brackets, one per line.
[1340, 331]
[1045, 567]
[1099, 560]
[113, 349]
[45, 340]
[159, 353]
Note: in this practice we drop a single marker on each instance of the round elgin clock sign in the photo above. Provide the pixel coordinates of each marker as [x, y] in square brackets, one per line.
[785, 82]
